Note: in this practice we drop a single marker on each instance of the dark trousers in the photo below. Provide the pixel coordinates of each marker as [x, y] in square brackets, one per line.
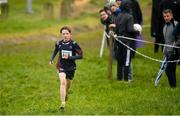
[158, 40]
[171, 70]
[133, 46]
[123, 61]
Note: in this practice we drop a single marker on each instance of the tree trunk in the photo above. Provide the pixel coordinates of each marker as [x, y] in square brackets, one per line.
[66, 8]
[29, 7]
[48, 11]
[4, 9]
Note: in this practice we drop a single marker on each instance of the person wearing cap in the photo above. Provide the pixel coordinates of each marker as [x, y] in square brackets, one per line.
[124, 27]
[115, 9]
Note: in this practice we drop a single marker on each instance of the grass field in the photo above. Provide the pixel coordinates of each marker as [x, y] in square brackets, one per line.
[29, 85]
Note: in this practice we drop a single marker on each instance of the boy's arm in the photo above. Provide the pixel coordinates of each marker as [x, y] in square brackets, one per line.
[54, 53]
[78, 51]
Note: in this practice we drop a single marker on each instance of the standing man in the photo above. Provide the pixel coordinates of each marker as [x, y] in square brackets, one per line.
[124, 27]
[157, 24]
[169, 52]
[174, 5]
[69, 51]
[135, 11]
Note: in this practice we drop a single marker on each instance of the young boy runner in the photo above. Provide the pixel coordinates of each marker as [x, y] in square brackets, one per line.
[69, 51]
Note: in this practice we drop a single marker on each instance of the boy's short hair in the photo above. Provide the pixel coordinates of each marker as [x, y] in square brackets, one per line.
[167, 11]
[65, 28]
[102, 10]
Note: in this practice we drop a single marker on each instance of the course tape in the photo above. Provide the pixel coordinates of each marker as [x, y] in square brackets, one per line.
[149, 42]
[143, 55]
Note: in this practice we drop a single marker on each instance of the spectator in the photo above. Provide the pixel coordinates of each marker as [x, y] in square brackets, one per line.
[169, 52]
[135, 11]
[176, 33]
[158, 21]
[107, 10]
[156, 25]
[105, 20]
[115, 13]
[124, 27]
[115, 10]
[174, 5]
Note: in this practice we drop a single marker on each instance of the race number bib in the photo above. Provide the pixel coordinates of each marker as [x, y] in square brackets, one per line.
[66, 53]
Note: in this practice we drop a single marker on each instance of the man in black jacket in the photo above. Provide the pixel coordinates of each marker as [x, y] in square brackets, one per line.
[124, 27]
[156, 24]
[135, 11]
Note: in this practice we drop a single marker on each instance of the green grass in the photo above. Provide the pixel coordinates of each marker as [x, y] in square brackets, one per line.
[20, 21]
[28, 85]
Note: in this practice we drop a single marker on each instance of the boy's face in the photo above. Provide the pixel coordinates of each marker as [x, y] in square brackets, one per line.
[66, 35]
[103, 15]
[167, 17]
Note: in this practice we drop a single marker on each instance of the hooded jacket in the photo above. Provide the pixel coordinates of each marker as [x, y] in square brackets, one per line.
[124, 22]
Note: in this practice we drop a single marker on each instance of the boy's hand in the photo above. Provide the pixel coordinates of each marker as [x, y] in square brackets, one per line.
[65, 56]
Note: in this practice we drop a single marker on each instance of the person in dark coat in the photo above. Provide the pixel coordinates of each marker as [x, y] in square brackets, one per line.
[135, 11]
[124, 27]
[156, 26]
[176, 33]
